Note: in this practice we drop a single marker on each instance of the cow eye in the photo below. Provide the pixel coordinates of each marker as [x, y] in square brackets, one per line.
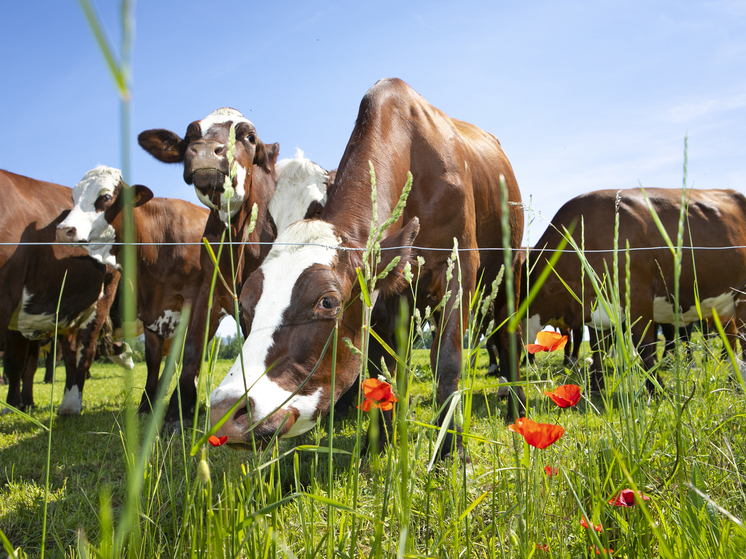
[327, 304]
[251, 138]
[107, 197]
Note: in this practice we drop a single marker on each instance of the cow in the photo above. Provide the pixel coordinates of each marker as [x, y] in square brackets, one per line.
[307, 285]
[714, 221]
[167, 233]
[203, 153]
[32, 275]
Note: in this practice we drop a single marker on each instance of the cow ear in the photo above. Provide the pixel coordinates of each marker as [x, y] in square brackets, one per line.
[266, 155]
[164, 145]
[397, 244]
[142, 194]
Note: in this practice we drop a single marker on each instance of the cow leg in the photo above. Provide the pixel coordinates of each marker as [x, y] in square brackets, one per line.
[644, 338]
[186, 391]
[572, 351]
[445, 354]
[14, 366]
[153, 358]
[84, 347]
[596, 373]
[29, 370]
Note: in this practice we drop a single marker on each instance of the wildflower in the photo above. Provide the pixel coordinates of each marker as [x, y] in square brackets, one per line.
[598, 551]
[551, 472]
[217, 441]
[539, 435]
[542, 547]
[626, 498]
[378, 394]
[547, 341]
[565, 396]
[584, 524]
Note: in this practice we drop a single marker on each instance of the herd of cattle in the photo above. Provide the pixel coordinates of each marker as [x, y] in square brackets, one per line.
[295, 271]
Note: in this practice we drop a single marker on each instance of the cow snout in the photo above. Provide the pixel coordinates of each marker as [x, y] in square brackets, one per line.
[68, 234]
[237, 425]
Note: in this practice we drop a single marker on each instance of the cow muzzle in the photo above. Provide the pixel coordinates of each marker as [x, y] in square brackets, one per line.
[241, 431]
[68, 234]
[206, 165]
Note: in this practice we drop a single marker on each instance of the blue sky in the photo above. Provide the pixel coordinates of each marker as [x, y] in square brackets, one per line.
[582, 95]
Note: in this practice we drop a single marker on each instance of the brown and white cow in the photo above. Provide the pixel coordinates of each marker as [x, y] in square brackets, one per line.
[307, 285]
[203, 153]
[167, 233]
[32, 273]
[715, 220]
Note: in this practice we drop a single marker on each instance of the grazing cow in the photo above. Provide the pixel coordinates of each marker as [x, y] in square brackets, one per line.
[715, 219]
[168, 233]
[308, 285]
[204, 154]
[32, 274]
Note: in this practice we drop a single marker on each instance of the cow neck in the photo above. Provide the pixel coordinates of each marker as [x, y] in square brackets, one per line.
[253, 252]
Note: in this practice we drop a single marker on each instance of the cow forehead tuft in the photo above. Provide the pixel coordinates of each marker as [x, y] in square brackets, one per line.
[300, 234]
[100, 176]
[226, 114]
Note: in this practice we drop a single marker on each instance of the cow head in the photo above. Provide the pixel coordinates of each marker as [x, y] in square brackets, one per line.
[96, 214]
[203, 151]
[305, 288]
[300, 192]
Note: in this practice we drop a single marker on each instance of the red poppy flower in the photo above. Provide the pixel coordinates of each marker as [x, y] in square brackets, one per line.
[584, 524]
[217, 441]
[598, 551]
[565, 396]
[626, 498]
[377, 394]
[547, 341]
[539, 435]
[542, 547]
[551, 472]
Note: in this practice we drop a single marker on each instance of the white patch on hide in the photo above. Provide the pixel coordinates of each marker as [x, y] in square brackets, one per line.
[600, 320]
[533, 328]
[300, 183]
[165, 325]
[724, 304]
[72, 402]
[283, 266]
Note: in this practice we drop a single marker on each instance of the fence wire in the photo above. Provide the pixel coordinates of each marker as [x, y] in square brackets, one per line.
[356, 249]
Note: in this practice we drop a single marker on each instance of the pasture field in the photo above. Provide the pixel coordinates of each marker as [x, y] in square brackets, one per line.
[298, 499]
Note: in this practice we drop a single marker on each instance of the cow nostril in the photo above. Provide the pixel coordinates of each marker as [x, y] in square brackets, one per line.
[219, 149]
[70, 232]
[242, 417]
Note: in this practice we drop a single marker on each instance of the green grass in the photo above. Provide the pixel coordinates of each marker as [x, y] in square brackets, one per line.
[502, 505]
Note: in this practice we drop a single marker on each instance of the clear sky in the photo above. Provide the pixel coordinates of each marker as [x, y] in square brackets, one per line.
[582, 95]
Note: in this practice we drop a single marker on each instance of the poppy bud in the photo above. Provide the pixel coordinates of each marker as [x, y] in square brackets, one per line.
[203, 471]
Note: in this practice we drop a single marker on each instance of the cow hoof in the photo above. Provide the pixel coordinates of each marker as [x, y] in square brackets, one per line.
[72, 402]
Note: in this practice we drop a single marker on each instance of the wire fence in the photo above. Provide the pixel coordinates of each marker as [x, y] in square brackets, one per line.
[359, 249]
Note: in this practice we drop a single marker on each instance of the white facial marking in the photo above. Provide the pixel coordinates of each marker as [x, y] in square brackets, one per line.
[723, 304]
[283, 266]
[165, 325]
[228, 208]
[89, 224]
[72, 402]
[300, 183]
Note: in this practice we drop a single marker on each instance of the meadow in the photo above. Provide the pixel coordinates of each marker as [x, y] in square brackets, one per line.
[300, 498]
